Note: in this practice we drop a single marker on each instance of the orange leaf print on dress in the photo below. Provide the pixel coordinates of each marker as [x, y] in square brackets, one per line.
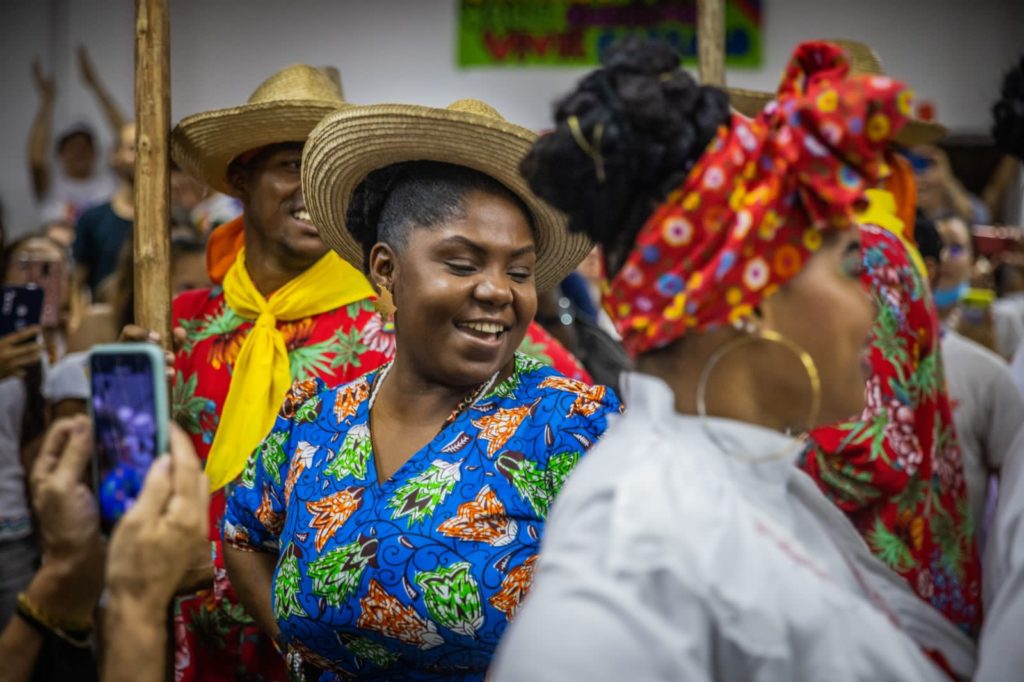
[330, 513]
[514, 587]
[348, 401]
[482, 519]
[225, 348]
[298, 333]
[383, 613]
[266, 515]
[588, 398]
[499, 427]
[297, 394]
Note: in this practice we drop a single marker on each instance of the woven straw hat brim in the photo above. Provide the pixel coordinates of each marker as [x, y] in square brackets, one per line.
[350, 144]
[915, 132]
[204, 144]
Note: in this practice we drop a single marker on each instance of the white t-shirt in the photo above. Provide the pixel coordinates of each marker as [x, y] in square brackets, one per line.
[988, 411]
[68, 197]
[672, 556]
[15, 519]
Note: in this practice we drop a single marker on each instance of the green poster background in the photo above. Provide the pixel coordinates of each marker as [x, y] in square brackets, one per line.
[575, 32]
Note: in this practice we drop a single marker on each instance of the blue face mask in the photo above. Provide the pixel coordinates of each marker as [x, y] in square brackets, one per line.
[947, 298]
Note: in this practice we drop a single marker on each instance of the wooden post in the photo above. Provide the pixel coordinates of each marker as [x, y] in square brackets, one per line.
[152, 239]
[711, 41]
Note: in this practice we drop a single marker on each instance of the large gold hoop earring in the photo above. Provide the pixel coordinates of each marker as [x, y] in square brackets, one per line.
[761, 335]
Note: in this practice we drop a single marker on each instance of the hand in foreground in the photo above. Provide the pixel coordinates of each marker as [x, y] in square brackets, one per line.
[19, 350]
[154, 543]
[68, 519]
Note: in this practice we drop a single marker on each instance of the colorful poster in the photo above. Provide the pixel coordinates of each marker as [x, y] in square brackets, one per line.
[576, 32]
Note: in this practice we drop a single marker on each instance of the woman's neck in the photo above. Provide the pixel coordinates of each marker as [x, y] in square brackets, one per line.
[732, 390]
[415, 398]
[267, 269]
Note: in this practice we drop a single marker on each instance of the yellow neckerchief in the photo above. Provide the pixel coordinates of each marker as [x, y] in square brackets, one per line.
[261, 375]
[881, 211]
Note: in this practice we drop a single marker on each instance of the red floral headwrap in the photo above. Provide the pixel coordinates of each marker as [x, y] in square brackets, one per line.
[753, 208]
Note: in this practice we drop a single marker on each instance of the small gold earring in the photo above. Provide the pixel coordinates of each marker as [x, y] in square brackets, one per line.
[385, 303]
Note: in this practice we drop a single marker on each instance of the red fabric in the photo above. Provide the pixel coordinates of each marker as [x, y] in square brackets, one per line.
[539, 344]
[896, 470]
[751, 211]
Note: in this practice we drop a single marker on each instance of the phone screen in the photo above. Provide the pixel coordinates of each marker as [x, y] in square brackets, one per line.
[20, 307]
[48, 275]
[125, 423]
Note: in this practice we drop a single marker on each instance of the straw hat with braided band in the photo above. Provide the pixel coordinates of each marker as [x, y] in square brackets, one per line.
[350, 144]
[284, 108]
[864, 61]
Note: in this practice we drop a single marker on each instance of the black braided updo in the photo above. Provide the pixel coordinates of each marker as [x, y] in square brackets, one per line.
[648, 120]
[1008, 112]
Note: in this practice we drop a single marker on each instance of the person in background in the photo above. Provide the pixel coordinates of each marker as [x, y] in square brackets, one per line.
[687, 545]
[988, 411]
[77, 184]
[102, 231]
[939, 193]
[52, 636]
[1002, 657]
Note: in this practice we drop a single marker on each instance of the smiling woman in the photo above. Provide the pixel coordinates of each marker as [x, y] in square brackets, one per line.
[388, 528]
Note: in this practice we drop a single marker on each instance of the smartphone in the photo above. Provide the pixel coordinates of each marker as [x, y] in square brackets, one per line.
[128, 404]
[20, 307]
[49, 276]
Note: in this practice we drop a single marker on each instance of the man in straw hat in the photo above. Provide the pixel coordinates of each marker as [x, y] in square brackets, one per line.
[896, 470]
[287, 309]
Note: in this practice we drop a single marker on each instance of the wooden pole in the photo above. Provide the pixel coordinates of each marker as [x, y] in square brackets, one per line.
[711, 41]
[152, 241]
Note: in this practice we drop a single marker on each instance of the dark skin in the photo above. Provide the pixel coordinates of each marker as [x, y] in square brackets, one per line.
[280, 242]
[477, 269]
[763, 383]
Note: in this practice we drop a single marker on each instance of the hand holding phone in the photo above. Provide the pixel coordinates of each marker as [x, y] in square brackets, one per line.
[128, 404]
[18, 351]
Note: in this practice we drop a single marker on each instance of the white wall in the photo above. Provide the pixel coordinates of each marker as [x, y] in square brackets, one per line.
[952, 52]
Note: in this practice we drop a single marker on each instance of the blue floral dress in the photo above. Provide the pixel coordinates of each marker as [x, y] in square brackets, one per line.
[415, 577]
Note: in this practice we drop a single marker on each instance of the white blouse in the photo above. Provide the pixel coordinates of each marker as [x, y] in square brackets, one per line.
[666, 559]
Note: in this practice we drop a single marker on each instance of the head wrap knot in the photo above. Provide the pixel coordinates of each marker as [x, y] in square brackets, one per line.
[754, 207]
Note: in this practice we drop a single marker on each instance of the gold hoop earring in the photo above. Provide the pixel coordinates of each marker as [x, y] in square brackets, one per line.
[762, 335]
[385, 303]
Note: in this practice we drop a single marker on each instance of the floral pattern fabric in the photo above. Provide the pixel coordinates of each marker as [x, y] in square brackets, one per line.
[215, 638]
[752, 210]
[896, 470]
[417, 576]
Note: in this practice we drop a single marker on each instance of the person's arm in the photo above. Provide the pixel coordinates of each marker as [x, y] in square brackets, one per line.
[68, 584]
[115, 117]
[40, 133]
[252, 576]
[149, 553]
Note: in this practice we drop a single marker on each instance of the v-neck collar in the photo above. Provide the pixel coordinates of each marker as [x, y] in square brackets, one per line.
[437, 445]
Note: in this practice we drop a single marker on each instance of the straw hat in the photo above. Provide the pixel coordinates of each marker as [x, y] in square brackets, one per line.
[350, 144]
[284, 108]
[863, 62]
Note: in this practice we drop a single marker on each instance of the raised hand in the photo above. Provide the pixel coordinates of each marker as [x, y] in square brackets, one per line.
[19, 350]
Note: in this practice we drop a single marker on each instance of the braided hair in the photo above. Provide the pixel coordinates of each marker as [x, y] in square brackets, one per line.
[394, 199]
[1008, 112]
[645, 122]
